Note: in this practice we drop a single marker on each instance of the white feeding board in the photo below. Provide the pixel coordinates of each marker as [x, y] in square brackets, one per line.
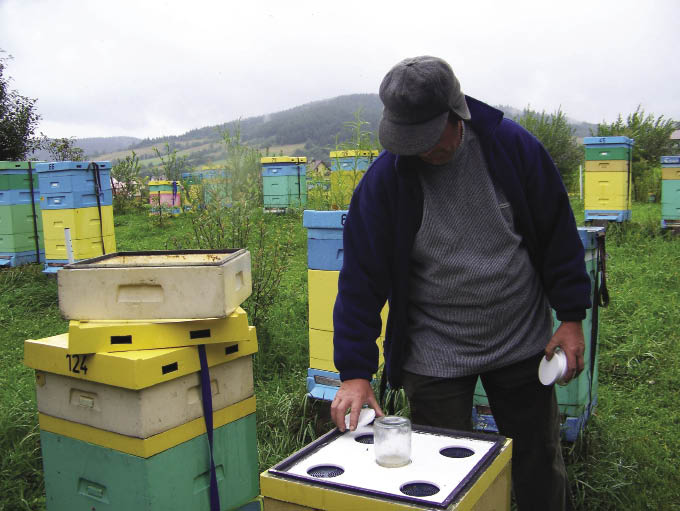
[443, 463]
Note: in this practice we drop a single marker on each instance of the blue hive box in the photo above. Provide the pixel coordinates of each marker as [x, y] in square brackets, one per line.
[324, 239]
[671, 161]
[608, 141]
[13, 197]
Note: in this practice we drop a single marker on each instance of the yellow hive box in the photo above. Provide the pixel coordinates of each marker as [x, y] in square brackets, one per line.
[607, 191]
[323, 289]
[321, 350]
[129, 369]
[83, 222]
[146, 447]
[490, 492]
[351, 154]
[283, 159]
[82, 248]
[158, 183]
[606, 165]
[113, 336]
[670, 173]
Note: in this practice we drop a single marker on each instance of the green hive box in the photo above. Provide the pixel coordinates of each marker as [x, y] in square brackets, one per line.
[670, 199]
[575, 399]
[18, 218]
[80, 476]
[21, 242]
[17, 181]
[613, 153]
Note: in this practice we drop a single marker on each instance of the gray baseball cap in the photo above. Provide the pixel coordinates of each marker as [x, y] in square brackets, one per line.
[418, 94]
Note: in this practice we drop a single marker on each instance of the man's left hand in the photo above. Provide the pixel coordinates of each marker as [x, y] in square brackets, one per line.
[569, 337]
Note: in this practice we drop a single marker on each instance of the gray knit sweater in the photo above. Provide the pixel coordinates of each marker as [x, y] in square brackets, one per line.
[476, 302]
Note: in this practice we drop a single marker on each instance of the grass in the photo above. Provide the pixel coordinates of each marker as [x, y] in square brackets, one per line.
[628, 457]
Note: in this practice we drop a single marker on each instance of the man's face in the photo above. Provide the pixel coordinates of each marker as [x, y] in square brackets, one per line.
[444, 150]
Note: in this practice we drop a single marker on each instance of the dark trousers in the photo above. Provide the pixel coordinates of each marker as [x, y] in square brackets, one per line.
[524, 410]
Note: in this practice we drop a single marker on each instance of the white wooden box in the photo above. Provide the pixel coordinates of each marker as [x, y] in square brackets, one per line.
[193, 284]
[147, 412]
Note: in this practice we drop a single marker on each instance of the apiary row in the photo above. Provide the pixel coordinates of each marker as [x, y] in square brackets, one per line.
[71, 209]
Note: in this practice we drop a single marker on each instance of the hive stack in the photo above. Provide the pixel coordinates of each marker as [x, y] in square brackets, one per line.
[164, 197]
[670, 192]
[347, 169]
[21, 240]
[217, 186]
[324, 261]
[122, 402]
[608, 178]
[576, 400]
[284, 182]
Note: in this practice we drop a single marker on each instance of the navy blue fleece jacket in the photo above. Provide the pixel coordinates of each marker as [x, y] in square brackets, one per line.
[384, 217]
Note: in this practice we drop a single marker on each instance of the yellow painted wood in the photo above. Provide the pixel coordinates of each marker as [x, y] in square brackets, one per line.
[113, 336]
[491, 492]
[146, 447]
[158, 183]
[283, 159]
[606, 165]
[352, 153]
[83, 222]
[323, 289]
[130, 369]
[670, 173]
[607, 191]
[321, 349]
[82, 248]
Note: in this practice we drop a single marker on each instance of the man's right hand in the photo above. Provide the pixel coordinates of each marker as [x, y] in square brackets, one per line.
[353, 395]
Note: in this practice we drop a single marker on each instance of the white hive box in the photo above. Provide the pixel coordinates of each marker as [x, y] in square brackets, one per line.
[193, 284]
[146, 412]
[448, 470]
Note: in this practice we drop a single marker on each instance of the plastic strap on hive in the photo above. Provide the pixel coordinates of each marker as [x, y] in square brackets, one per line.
[206, 395]
[97, 190]
[35, 217]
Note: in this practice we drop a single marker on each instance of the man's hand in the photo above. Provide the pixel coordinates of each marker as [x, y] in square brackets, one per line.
[569, 337]
[353, 394]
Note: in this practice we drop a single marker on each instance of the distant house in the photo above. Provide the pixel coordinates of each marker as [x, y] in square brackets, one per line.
[319, 167]
[676, 135]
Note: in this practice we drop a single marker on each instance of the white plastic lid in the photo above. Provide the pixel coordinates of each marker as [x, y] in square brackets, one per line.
[550, 371]
[365, 417]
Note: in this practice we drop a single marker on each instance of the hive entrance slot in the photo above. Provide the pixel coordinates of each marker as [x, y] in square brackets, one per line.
[230, 350]
[199, 334]
[169, 368]
[121, 339]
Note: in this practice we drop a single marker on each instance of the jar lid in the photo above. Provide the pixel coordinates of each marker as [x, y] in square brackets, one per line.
[366, 416]
[553, 370]
[392, 421]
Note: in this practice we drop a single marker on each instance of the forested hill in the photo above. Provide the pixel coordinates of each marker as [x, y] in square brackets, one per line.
[311, 130]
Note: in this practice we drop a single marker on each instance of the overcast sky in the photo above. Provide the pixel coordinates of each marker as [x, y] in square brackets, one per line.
[149, 68]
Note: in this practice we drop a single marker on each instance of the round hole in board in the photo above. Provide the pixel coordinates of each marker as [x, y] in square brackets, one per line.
[419, 489]
[456, 452]
[364, 439]
[325, 471]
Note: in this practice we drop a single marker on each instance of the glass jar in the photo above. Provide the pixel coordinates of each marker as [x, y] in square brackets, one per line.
[392, 441]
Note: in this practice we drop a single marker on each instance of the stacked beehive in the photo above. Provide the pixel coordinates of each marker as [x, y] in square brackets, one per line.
[577, 399]
[347, 169]
[284, 182]
[77, 208]
[324, 261]
[150, 414]
[608, 178]
[164, 197]
[670, 192]
[217, 186]
[21, 240]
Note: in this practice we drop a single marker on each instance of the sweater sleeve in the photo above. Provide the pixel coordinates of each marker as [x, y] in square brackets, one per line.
[561, 262]
[364, 281]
